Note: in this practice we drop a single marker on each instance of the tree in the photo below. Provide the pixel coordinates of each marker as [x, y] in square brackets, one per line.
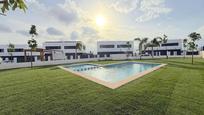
[128, 47]
[6, 5]
[11, 49]
[32, 42]
[142, 44]
[79, 47]
[193, 37]
[154, 43]
[185, 44]
[164, 41]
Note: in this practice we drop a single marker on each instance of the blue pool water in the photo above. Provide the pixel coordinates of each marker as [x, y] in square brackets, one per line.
[82, 67]
[112, 73]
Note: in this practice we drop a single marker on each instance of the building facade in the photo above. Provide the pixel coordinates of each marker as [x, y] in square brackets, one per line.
[173, 47]
[18, 55]
[68, 48]
[107, 48]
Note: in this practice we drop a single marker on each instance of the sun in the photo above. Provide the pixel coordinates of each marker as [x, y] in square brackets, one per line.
[100, 20]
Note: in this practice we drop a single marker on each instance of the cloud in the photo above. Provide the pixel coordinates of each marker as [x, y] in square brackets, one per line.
[89, 31]
[65, 16]
[5, 29]
[152, 9]
[125, 6]
[53, 31]
[88, 35]
[22, 32]
[201, 31]
[74, 35]
[67, 12]
[149, 9]
[85, 33]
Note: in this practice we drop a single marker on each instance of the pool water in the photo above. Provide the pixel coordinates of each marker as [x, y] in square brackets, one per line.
[114, 72]
[82, 67]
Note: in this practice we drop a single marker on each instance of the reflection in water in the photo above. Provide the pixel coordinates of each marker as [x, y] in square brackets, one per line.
[116, 72]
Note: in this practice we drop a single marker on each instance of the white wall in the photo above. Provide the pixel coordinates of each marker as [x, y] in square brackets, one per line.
[57, 62]
[42, 63]
[21, 46]
[62, 44]
[58, 55]
[179, 41]
[202, 54]
[115, 43]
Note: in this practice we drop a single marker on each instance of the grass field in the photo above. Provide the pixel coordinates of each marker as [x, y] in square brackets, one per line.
[177, 89]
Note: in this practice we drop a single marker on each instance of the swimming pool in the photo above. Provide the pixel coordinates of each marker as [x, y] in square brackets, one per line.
[113, 74]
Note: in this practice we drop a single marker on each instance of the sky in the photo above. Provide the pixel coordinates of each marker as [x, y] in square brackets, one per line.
[123, 20]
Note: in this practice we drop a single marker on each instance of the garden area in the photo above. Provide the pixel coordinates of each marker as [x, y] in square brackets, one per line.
[176, 89]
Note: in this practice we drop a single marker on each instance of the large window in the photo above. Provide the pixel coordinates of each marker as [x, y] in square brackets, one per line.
[106, 46]
[52, 47]
[170, 44]
[18, 50]
[124, 46]
[1, 50]
[69, 47]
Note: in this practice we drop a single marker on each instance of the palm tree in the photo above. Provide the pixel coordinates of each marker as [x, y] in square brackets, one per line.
[6, 5]
[79, 47]
[142, 44]
[32, 43]
[154, 43]
[164, 41]
[191, 44]
[185, 44]
[128, 46]
[11, 49]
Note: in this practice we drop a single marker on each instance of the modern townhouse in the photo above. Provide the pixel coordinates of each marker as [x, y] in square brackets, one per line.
[63, 50]
[21, 53]
[173, 47]
[111, 48]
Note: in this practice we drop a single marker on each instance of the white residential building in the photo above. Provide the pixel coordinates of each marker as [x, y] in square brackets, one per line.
[67, 47]
[108, 48]
[18, 55]
[172, 47]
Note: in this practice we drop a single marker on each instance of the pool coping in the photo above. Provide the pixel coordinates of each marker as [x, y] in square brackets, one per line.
[119, 83]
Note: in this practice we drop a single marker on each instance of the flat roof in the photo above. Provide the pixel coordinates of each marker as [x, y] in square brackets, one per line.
[62, 41]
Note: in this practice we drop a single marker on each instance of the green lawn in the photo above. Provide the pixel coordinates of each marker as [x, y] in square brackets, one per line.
[177, 89]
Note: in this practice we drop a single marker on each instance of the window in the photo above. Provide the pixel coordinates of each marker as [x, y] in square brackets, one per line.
[18, 50]
[170, 44]
[1, 50]
[52, 47]
[106, 46]
[69, 47]
[124, 46]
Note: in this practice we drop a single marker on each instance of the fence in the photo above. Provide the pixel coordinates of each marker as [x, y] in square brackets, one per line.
[58, 62]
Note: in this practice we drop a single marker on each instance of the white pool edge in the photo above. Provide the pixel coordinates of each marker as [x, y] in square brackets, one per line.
[119, 83]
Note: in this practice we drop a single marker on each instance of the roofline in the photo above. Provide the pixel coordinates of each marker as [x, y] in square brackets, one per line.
[118, 41]
[61, 41]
